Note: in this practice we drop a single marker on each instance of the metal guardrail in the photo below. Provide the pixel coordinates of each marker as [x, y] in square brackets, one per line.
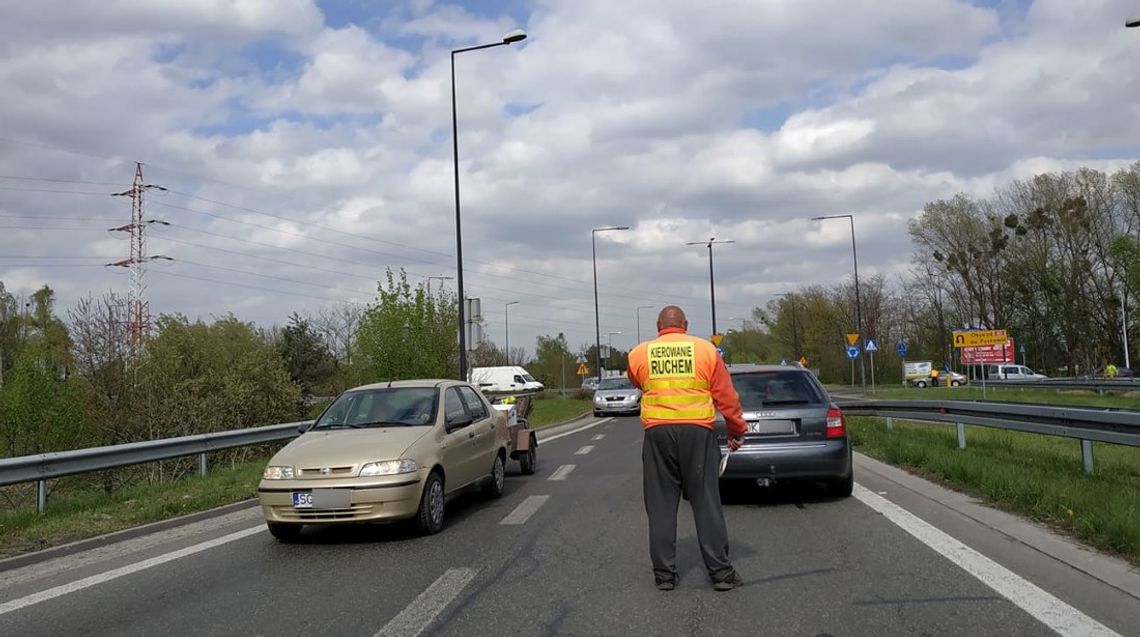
[42, 467]
[1088, 384]
[1087, 424]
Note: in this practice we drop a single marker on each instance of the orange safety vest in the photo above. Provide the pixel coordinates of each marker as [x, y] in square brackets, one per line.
[674, 372]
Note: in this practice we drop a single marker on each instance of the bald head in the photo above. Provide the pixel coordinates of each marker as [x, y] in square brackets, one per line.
[672, 316]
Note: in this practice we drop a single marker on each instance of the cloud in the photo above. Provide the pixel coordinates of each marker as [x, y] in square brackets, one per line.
[740, 120]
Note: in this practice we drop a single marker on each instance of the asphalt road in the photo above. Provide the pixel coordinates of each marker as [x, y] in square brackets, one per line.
[568, 556]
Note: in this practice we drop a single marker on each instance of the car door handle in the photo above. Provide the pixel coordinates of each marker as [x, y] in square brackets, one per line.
[471, 434]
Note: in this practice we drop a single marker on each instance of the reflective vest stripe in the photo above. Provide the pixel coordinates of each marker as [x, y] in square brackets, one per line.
[682, 399]
[679, 415]
[660, 383]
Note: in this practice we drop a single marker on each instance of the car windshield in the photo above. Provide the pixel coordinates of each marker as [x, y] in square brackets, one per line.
[389, 406]
[528, 378]
[615, 383]
[775, 388]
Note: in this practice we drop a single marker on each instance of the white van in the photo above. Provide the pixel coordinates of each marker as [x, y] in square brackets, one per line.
[1012, 372]
[504, 379]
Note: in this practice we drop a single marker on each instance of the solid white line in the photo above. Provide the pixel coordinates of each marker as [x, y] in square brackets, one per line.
[584, 450]
[93, 580]
[561, 472]
[579, 430]
[416, 616]
[598, 437]
[525, 509]
[1045, 608]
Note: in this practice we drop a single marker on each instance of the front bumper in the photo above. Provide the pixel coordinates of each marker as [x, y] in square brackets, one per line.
[821, 459]
[371, 500]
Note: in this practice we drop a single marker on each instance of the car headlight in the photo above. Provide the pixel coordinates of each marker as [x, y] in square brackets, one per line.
[277, 473]
[388, 468]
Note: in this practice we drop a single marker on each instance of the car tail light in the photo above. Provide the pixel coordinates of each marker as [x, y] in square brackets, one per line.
[836, 423]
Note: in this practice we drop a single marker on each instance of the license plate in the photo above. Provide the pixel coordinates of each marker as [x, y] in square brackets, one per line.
[302, 500]
[772, 427]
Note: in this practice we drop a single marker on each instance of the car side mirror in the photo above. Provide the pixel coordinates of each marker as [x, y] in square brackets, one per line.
[303, 427]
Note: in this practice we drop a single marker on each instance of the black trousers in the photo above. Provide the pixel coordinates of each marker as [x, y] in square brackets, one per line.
[676, 457]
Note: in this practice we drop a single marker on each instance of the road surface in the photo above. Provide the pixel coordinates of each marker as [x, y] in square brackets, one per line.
[564, 552]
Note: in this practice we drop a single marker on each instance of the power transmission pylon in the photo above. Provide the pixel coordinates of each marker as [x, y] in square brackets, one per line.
[138, 310]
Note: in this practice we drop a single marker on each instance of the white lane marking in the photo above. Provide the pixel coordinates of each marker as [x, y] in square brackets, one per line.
[584, 450]
[93, 580]
[576, 431]
[561, 472]
[598, 437]
[525, 509]
[412, 621]
[1045, 608]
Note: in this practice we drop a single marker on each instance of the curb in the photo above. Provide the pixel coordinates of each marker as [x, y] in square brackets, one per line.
[114, 537]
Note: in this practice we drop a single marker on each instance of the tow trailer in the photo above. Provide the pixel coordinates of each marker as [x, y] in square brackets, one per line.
[522, 444]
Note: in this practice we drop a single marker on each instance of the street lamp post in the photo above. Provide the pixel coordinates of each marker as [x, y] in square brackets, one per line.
[795, 324]
[507, 329]
[610, 346]
[639, 309]
[441, 279]
[514, 36]
[858, 302]
[712, 281]
[597, 318]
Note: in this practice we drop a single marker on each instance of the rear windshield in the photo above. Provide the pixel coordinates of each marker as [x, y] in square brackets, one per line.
[776, 388]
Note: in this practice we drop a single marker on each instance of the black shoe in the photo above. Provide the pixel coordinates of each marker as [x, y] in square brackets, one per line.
[728, 583]
[666, 584]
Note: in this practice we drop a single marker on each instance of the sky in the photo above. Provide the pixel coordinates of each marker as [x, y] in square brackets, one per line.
[306, 146]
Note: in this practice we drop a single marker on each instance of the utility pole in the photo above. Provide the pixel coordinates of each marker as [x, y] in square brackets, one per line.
[138, 310]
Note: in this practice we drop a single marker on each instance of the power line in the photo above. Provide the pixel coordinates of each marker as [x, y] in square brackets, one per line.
[60, 217]
[63, 181]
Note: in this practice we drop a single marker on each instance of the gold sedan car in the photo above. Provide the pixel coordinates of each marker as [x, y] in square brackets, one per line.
[386, 452]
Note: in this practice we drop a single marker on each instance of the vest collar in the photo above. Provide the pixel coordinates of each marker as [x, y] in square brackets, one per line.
[672, 330]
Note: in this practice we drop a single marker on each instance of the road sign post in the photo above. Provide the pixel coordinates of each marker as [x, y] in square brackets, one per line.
[852, 353]
[871, 346]
[901, 349]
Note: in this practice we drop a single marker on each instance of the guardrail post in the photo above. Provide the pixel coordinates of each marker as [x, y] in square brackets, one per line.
[202, 464]
[41, 496]
[1087, 455]
[961, 436]
[890, 423]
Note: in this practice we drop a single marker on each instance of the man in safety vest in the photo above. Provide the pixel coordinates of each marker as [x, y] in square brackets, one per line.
[684, 382]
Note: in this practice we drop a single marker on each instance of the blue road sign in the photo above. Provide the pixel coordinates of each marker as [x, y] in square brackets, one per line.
[720, 350]
[852, 352]
[946, 367]
[872, 345]
[902, 350]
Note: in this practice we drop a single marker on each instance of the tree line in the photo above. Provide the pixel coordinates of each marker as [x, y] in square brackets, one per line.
[1052, 259]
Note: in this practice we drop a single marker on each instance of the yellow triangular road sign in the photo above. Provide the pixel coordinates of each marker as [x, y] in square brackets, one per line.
[852, 338]
[716, 339]
[583, 370]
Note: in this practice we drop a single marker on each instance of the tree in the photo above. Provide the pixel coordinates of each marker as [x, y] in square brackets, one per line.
[554, 364]
[407, 333]
[311, 365]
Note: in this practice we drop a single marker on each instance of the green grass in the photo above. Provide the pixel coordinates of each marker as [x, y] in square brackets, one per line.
[85, 515]
[549, 411]
[1039, 477]
[1037, 396]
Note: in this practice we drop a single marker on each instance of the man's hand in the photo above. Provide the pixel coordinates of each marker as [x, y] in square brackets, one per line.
[734, 442]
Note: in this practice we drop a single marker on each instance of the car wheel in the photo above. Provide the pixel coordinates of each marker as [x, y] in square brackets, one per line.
[528, 462]
[284, 532]
[920, 384]
[842, 487]
[429, 518]
[497, 482]
[597, 414]
[955, 383]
